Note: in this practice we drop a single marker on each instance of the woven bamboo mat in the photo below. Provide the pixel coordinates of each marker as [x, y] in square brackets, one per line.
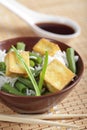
[75, 103]
[12, 26]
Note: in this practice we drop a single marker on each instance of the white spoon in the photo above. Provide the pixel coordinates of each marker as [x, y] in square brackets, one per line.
[33, 18]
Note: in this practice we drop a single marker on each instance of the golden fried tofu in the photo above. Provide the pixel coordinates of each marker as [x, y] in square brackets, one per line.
[44, 45]
[13, 65]
[7, 65]
[57, 76]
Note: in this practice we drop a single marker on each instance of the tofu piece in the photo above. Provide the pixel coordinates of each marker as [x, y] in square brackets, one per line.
[8, 73]
[57, 76]
[44, 45]
[13, 65]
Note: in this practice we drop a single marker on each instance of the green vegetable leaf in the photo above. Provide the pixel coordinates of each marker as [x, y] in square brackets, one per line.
[2, 66]
[37, 90]
[43, 71]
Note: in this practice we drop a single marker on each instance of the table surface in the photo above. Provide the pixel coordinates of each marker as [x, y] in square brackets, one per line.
[12, 26]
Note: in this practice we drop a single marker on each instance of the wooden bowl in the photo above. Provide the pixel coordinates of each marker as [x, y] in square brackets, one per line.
[37, 104]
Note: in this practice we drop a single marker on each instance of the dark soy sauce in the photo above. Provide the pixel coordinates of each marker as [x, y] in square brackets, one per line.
[56, 28]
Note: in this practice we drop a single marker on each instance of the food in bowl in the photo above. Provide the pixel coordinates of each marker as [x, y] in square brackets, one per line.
[33, 103]
[33, 72]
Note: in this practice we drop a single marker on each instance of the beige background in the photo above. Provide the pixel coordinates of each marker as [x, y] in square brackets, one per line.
[12, 26]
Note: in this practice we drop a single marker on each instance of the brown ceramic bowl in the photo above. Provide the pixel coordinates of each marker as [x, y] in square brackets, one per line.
[37, 104]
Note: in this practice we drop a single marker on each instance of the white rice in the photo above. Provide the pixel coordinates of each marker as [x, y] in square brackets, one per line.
[59, 55]
[33, 57]
[5, 79]
[39, 67]
[76, 58]
[2, 55]
[30, 92]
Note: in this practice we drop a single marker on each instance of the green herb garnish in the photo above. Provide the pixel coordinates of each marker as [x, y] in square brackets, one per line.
[43, 71]
[37, 90]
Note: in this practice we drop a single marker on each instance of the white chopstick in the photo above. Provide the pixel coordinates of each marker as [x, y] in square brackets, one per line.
[26, 119]
[53, 116]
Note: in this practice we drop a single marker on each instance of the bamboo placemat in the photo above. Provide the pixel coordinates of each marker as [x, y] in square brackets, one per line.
[12, 26]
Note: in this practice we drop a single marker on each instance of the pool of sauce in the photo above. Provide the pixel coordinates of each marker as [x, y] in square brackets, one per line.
[56, 28]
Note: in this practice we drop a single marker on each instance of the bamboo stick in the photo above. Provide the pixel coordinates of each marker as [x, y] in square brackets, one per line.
[54, 116]
[26, 119]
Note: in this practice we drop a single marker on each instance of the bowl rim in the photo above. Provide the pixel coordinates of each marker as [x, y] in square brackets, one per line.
[51, 94]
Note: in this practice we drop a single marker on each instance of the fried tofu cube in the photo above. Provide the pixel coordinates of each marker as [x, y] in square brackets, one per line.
[13, 65]
[8, 73]
[44, 45]
[57, 76]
